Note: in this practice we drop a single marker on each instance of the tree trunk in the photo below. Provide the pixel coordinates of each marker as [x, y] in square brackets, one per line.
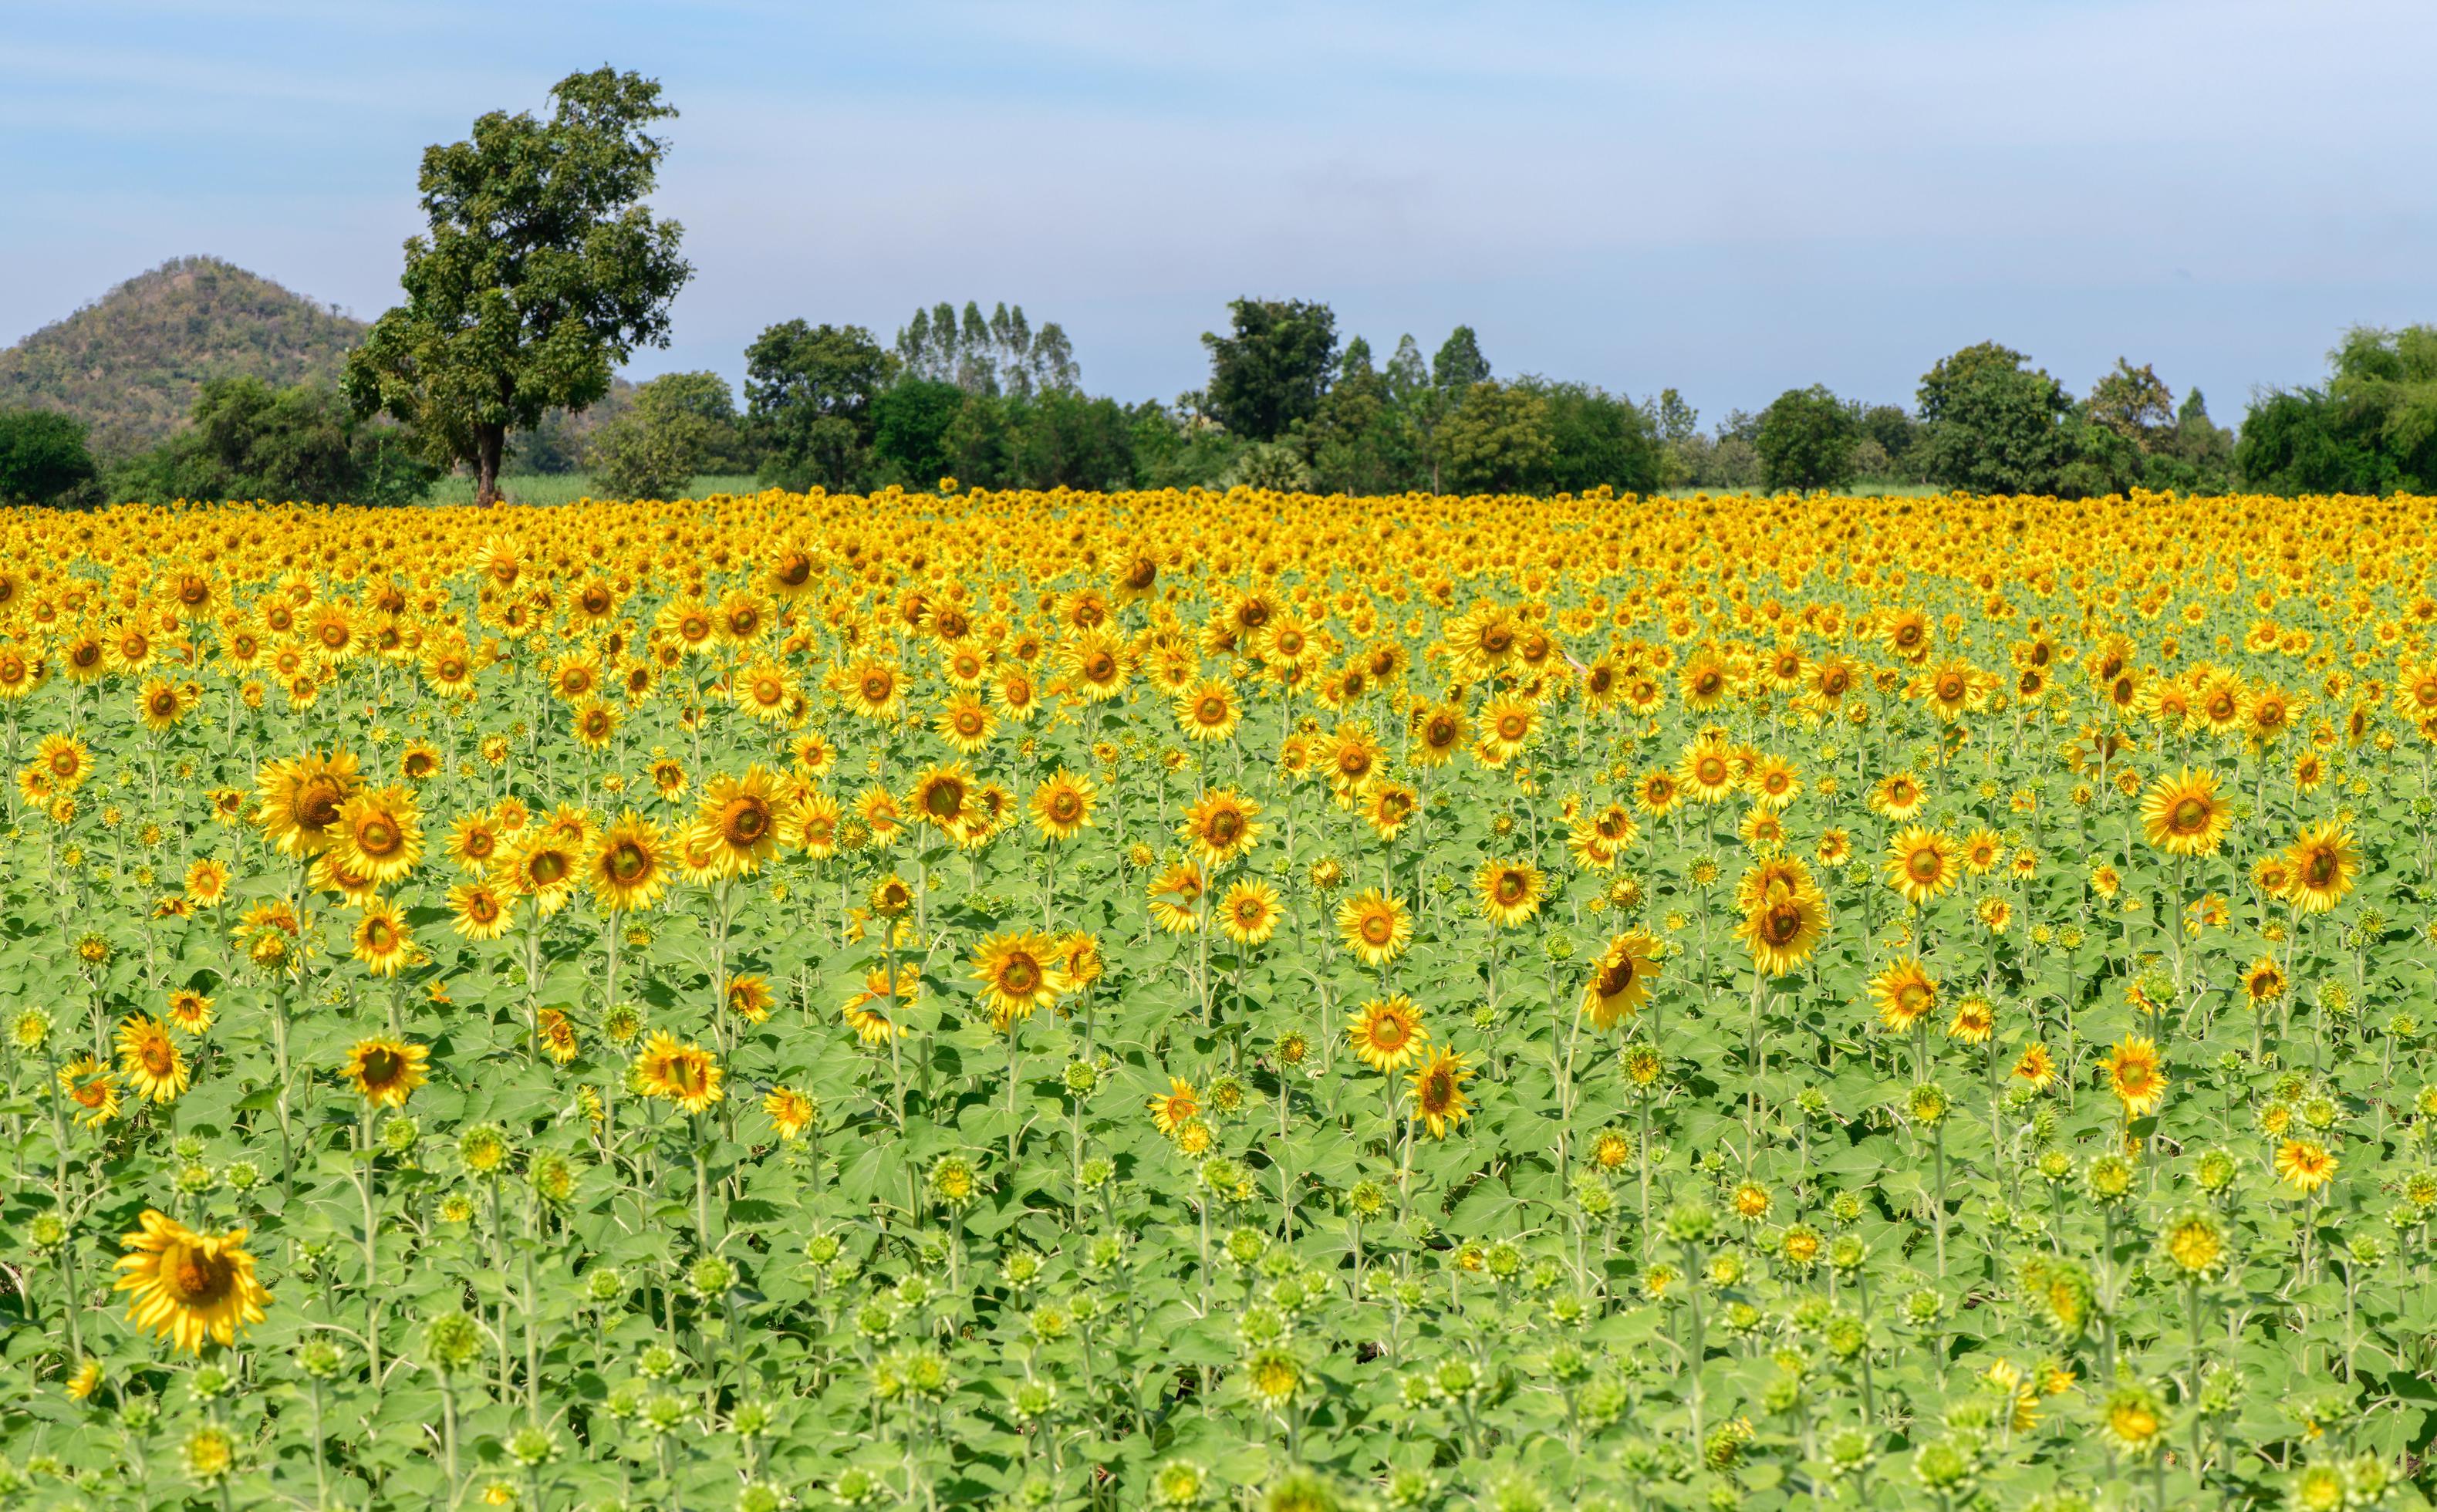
[490, 443]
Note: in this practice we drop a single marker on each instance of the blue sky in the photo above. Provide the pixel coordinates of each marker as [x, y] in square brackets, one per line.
[1728, 198]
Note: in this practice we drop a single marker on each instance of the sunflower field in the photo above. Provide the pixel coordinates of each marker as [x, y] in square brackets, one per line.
[1228, 1001]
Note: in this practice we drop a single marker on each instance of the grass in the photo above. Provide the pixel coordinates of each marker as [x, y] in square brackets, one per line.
[566, 487]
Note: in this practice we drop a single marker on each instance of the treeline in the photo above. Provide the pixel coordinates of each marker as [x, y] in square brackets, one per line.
[990, 400]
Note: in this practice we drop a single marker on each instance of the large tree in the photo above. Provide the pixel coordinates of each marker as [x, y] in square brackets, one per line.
[1992, 424]
[808, 398]
[540, 272]
[1273, 366]
[1807, 439]
[43, 456]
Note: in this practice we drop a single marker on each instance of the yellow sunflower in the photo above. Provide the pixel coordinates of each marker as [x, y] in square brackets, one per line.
[189, 1287]
[1375, 926]
[1388, 1032]
[386, 1071]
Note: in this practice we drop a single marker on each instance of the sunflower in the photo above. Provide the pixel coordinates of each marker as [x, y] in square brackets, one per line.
[1898, 797]
[1062, 807]
[155, 1068]
[1506, 728]
[474, 841]
[1210, 712]
[300, 800]
[739, 822]
[1173, 1108]
[1019, 972]
[943, 798]
[1174, 894]
[2321, 867]
[791, 1112]
[386, 1071]
[1921, 864]
[1375, 926]
[2182, 816]
[2036, 1068]
[1656, 792]
[1437, 1087]
[749, 997]
[190, 1012]
[1975, 1019]
[1439, 732]
[2305, 1165]
[1220, 828]
[480, 912]
[966, 724]
[813, 829]
[188, 1286]
[381, 939]
[686, 1075]
[557, 1032]
[876, 1026]
[875, 690]
[1706, 771]
[207, 883]
[1388, 1033]
[1621, 978]
[1905, 993]
[2135, 1076]
[1250, 912]
[1783, 926]
[1096, 667]
[1509, 892]
[379, 834]
[629, 867]
[93, 1087]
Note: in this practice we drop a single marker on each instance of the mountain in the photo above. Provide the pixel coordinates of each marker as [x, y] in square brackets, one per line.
[130, 362]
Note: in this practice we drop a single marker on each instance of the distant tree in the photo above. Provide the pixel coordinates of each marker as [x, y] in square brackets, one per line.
[2131, 403]
[2387, 384]
[998, 353]
[1894, 429]
[1459, 365]
[1677, 421]
[680, 424]
[1273, 366]
[1990, 424]
[1269, 464]
[1596, 439]
[304, 443]
[910, 426]
[1498, 439]
[1806, 439]
[1362, 441]
[43, 456]
[2196, 456]
[2305, 441]
[1063, 439]
[808, 392]
[540, 272]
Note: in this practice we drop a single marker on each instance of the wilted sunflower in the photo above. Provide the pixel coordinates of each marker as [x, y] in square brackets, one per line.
[1621, 978]
[386, 1071]
[1388, 1032]
[1375, 926]
[886, 1022]
[189, 1287]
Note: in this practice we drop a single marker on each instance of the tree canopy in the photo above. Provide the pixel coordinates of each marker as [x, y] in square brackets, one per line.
[540, 271]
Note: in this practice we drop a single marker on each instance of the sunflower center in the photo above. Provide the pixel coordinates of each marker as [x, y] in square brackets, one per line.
[196, 1278]
[2190, 815]
[158, 1057]
[1019, 976]
[1923, 866]
[376, 836]
[745, 820]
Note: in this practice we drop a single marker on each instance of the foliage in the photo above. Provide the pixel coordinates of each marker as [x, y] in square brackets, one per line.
[808, 392]
[43, 456]
[1514, 1003]
[1271, 369]
[2371, 429]
[1807, 439]
[1990, 424]
[247, 440]
[539, 272]
[679, 424]
[130, 363]
[1001, 354]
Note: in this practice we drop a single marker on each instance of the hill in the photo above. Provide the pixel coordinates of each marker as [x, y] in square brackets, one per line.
[130, 362]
